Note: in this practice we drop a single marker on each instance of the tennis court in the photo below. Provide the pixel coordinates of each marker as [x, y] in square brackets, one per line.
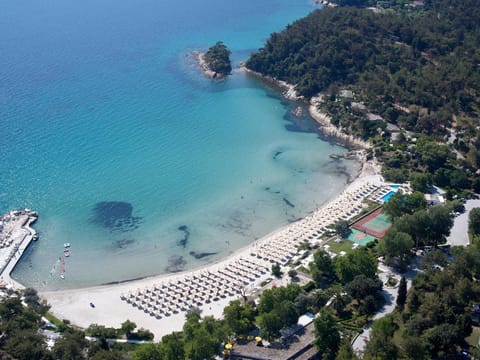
[376, 224]
[359, 237]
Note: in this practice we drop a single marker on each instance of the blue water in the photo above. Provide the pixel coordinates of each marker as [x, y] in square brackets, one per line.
[395, 187]
[101, 101]
[387, 196]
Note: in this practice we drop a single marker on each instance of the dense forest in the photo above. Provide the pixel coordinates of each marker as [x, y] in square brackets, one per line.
[426, 58]
[414, 67]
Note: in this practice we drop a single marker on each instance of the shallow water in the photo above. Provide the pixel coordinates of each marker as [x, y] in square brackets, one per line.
[111, 132]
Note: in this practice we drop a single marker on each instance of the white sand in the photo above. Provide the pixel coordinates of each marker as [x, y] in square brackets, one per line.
[111, 310]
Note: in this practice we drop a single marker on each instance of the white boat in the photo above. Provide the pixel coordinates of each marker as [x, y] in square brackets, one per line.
[66, 253]
[66, 245]
[62, 276]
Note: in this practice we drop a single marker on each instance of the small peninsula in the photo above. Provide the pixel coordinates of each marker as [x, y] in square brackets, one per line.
[216, 61]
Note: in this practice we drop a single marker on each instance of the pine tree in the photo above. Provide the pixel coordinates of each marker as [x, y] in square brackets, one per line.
[402, 293]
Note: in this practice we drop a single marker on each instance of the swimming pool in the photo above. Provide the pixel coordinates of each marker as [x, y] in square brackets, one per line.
[387, 196]
[394, 187]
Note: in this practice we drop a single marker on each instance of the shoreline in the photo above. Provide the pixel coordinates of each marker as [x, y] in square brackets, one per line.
[322, 119]
[113, 302]
[327, 128]
[207, 72]
[212, 286]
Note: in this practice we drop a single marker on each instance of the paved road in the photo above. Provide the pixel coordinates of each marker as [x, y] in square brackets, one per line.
[459, 233]
[390, 295]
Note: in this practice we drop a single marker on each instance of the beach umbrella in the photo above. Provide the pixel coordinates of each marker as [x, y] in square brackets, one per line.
[228, 346]
[258, 339]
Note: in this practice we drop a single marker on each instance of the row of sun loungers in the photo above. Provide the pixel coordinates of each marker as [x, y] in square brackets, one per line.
[202, 288]
[231, 279]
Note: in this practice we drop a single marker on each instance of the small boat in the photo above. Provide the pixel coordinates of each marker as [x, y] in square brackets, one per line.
[66, 245]
[66, 253]
[62, 275]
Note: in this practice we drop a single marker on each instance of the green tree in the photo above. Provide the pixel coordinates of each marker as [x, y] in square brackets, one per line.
[474, 221]
[361, 287]
[70, 346]
[172, 346]
[396, 245]
[413, 348]
[128, 327]
[441, 338]
[339, 302]
[421, 182]
[341, 227]
[385, 326]
[31, 296]
[345, 351]
[402, 293]
[107, 355]
[26, 345]
[276, 270]
[201, 346]
[355, 263]
[292, 273]
[400, 204]
[433, 155]
[218, 58]
[327, 338]
[432, 258]
[240, 318]
[270, 325]
[381, 345]
[148, 352]
[321, 267]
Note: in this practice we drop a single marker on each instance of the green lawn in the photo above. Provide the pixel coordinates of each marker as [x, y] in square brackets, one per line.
[345, 245]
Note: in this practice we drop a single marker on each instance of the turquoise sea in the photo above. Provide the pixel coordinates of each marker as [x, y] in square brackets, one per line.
[110, 131]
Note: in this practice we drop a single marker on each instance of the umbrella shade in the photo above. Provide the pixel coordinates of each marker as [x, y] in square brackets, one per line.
[258, 339]
[228, 346]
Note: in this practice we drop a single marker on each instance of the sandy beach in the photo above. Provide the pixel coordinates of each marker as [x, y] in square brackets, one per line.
[213, 286]
[159, 303]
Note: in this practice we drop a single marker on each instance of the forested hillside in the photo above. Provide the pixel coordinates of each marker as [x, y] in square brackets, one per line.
[413, 70]
[428, 57]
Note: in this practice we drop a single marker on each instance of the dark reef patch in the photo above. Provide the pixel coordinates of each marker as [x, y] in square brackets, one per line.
[176, 263]
[342, 171]
[238, 223]
[285, 200]
[201, 255]
[277, 154]
[123, 243]
[115, 216]
[186, 235]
